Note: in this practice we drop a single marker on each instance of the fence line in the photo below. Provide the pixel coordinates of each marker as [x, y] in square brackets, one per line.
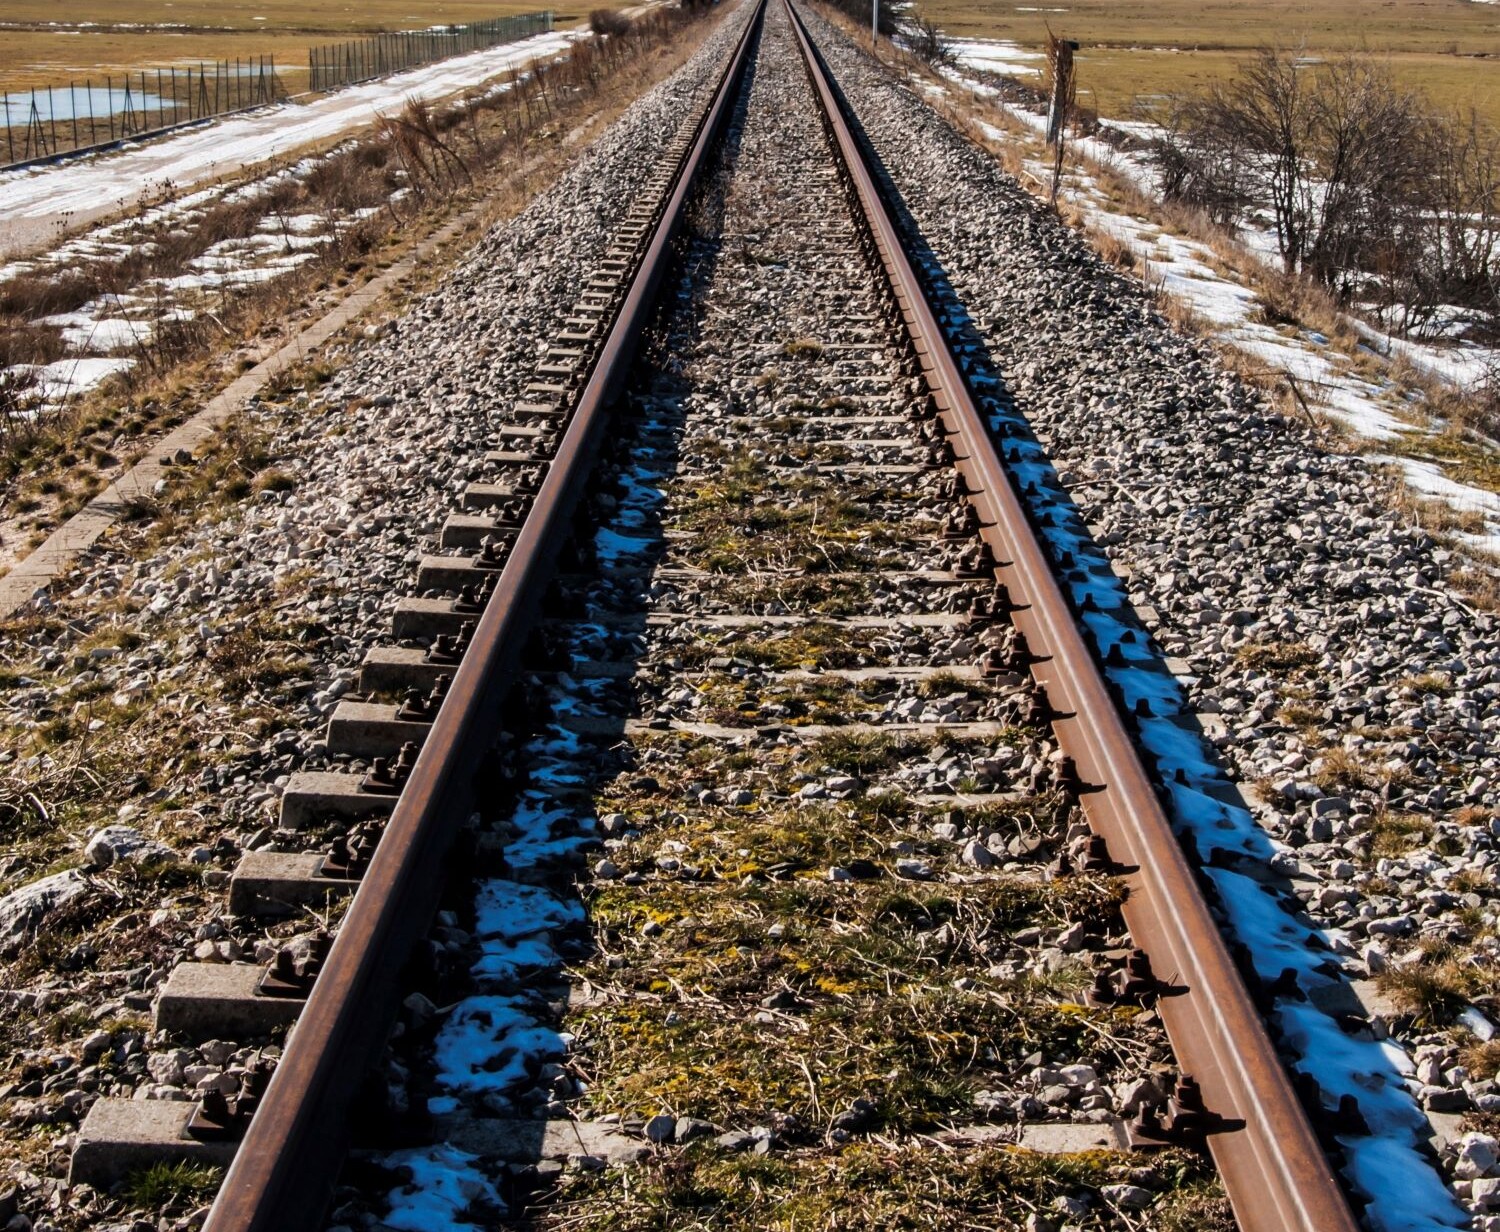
[51, 120]
[344, 64]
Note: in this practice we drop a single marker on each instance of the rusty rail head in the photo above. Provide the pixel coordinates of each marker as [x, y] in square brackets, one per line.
[285, 1169]
[1273, 1169]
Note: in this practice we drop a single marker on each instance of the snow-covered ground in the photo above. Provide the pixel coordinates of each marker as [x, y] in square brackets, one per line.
[107, 335]
[36, 203]
[998, 56]
[1189, 272]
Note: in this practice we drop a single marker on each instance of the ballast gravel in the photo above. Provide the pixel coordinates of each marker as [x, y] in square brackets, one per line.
[1271, 563]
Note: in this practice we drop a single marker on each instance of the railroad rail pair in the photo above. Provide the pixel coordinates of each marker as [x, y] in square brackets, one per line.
[1272, 1166]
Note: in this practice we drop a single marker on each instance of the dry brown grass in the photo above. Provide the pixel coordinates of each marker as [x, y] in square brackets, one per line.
[1483, 1060]
[1131, 48]
[1440, 984]
[38, 49]
[1479, 586]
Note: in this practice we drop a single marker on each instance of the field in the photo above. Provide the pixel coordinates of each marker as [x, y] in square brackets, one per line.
[50, 43]
[1449, 49]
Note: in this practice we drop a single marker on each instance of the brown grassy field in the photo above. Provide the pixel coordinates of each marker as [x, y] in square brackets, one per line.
[44, 43]
[1450, 49]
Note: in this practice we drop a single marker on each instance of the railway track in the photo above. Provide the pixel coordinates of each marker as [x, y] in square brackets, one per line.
[752, 620]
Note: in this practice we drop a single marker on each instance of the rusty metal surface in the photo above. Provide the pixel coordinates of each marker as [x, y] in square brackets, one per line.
[285, 1169]
[1274, 1170]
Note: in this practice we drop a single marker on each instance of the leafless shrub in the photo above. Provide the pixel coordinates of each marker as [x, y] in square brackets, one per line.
[926, 41]
[429, 160]
[1196, 164]
[33, 296]
[1332, 151]
[1465, 212]
[1372, 192]
[17, 390]
[24, 342]
[609, 22]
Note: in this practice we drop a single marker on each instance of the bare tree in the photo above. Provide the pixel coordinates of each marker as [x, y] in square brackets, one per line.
[1197, 163]
[1335, 152]
[925, 40]
[609, 21]
[1364, 175]
[1465, 190]
[1267, 114]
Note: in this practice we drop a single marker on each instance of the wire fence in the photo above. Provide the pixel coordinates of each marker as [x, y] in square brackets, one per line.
[343, 64]
[51, 120]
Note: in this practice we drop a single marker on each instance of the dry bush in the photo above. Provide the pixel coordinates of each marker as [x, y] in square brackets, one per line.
[32, 296]
[609, 22]
[22, 342]
[17, 387]
[925, 41]
[1114, 250]
[1373, 192]
[1195, 165]
[429, 160]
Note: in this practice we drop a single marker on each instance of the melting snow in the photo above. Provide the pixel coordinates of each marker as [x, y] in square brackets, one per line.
[1405, 1193]
[444, 1183]
[489, 1044]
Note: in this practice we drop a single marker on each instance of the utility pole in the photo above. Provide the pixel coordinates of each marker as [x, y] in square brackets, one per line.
[874, 21]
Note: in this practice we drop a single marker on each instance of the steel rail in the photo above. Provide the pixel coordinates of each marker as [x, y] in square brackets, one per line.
[1274, 1171]
[284, 1171]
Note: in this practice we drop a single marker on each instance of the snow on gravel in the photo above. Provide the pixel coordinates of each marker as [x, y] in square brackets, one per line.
[33, 203]
[445, 1184]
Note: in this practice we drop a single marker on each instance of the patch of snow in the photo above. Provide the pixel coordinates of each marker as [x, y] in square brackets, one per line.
[445, 1182]
[84, 332]
[488, 1044]
[67, 378]
[998, 56]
